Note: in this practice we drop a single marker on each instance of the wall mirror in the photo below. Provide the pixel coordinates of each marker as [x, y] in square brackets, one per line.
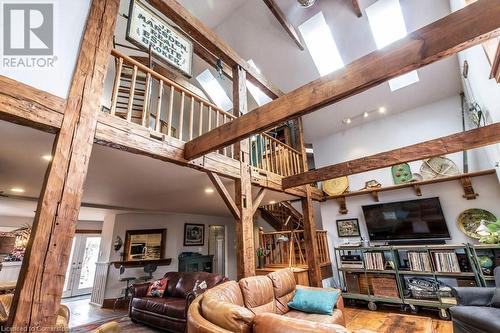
[145, 244]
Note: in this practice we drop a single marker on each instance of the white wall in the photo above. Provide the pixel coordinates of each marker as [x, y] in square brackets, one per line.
[483, 90]
[174, 223]
[69, 21]
[424, 123]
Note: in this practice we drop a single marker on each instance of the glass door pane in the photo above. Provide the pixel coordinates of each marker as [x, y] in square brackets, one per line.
[88, 267]
[70, 271]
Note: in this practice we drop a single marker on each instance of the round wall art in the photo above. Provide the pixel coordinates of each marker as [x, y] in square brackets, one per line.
[469, 220]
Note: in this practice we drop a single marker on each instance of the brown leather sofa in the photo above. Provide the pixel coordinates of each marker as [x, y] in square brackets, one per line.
[258, 304]
[170, 311]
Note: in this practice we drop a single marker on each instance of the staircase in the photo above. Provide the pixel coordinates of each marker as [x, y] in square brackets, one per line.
[282, 216]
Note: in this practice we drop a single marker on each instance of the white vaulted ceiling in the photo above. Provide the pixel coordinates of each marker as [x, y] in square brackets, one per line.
[254, 33]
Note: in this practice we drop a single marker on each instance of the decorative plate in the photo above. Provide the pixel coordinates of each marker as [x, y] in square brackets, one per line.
[401, 173]
[437, 167]
[336, 186]
[470, 219]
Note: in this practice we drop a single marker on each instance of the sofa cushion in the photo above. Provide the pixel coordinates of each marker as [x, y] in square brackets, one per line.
[337, 317]
[495, 301]
[481, 317]
[258, 294]
[157, 288]
[223, 306]
[168, 306]
[270, 322]
[315, 301]
[182, 283]
[284, 288]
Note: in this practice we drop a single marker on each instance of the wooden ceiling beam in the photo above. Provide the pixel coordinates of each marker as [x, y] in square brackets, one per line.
[289, 28]
[475, 138]
[258, 199]
[224, 193]
[211, 42]
[28, 106]
[357, 9]
[449, 35]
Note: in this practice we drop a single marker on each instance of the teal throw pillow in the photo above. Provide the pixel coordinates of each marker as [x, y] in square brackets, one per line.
[315, 301]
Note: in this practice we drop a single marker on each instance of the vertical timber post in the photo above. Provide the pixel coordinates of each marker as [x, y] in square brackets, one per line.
[311, 242]
[245, 247]
[39, 288]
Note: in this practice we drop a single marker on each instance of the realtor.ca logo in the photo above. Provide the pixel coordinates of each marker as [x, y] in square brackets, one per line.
[28, 35]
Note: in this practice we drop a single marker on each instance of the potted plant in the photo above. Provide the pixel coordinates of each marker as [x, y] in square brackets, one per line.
[492, 236]
[261, 256]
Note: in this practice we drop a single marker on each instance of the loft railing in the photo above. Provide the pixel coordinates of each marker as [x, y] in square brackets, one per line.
[287, 248]
[142, 96]
[274, 156]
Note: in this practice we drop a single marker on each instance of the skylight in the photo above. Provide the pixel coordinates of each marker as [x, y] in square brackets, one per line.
[388, 25]
[321, 45]
[256, 93]
[213, 88]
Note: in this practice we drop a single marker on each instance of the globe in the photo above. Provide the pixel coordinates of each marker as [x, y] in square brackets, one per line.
[485, 262]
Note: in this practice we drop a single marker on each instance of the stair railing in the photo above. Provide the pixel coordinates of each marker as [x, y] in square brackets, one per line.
[272, 155]
[287, 248]
[143, 96]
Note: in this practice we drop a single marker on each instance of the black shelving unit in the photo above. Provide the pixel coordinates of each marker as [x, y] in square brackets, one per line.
[401, 273]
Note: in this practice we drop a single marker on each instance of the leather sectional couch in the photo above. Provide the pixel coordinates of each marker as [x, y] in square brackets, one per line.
[258, 304]
[170, 311]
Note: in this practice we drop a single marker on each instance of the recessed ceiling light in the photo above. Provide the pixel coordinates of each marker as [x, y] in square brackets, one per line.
[209, 190]
[47, 157]
[272, 202]
[366, 114]
[382, 109]
[17, 190]
[347, 120]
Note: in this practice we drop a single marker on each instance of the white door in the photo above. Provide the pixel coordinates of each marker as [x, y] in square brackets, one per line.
[217, 247]
[81, 269]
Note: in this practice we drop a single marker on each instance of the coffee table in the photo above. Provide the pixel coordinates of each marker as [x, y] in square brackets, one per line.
[396, 323]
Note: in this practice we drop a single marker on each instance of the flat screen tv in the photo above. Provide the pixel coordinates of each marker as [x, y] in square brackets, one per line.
[406, 221]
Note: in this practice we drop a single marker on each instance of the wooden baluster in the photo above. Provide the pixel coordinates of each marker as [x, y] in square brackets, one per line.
[288, 162]
[116, 86]
[191, 116]
[170, 110]
[181, 115]
[217, 125]
[132, 93]
[282, 168]
[271, 156]
[223, 122]
[264, 157]
[158, 106]
[275, 162]
[145, 109]
[200, 127]
[294, 163]
[285, 155]
[209, 117]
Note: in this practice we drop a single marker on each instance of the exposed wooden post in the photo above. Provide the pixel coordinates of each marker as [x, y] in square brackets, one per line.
[40, 284]
[311, 241]
[245, 254]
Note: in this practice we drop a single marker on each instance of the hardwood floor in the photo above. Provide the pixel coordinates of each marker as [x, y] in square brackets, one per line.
[82, 312]
[358, 318]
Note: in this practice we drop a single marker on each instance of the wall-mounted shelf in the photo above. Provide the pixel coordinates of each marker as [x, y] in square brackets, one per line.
[142, 263]
[465, 180]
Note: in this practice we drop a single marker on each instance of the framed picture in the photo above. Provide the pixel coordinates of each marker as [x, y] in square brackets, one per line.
[348, 228]
[194, 234]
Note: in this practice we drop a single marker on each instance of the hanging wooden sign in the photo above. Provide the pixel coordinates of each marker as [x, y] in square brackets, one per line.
[145, 29]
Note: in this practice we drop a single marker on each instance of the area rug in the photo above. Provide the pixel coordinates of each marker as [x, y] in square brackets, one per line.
[126, 325]
[406, 324]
